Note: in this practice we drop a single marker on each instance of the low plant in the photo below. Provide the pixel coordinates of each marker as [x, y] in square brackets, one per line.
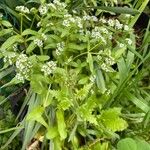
[79, 69]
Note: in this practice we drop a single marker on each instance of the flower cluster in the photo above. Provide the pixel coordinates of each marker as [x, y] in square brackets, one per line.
[69, 20]
[115, 23]
[23, 66]
[49, 67]
[43, 10]
[60, 48]
[96, 34]
[9, 59]
[44, 37]
[90, 18]
[38, 42]
[129, 41]
[23, 9]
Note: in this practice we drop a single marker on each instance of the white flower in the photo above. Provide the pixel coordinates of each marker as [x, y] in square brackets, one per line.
[121, 45]
[44, 37]
[23, 66]
[60, 48]
[129, 41]
[126, 27]
[66, 23]
[111, 22]
[9, 59]
[127, 15]
[103, 20]
[104, 30]
[38, 42]
[52, 6]
[49, 67]
[19, 77]
[109, 60]
[86, 17]
[118, 25]
[43, 10]
[23, 9]
[94, 18]
[38, 24]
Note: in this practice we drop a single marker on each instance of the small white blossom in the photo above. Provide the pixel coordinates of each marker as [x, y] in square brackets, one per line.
[118, 25]
[86, 17]
[44, 37]
[19, 77]
[23, 9]
[121, 45]
[109, 61]
[51, 5]
[38, 24]
[126, 27]
[43, 10]
[9, 59]
[60, 48]
[111, 22]
[94, 18]
[38, 42]
[129, 41]
[66, 23]
[49, 67]
[103, 20]
[23, 66]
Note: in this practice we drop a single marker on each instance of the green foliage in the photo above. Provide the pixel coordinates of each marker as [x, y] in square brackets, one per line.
[82, 69]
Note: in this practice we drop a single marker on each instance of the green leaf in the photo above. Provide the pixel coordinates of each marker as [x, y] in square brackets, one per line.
[52, 133]
[142, 145]
[37, 86]
[29, 31]
[127, 144]
[119, 10]
[139, 103]
[100, 79]
[112, 121]
[11, 40]
[90, 61]
[6, 24]
[5, 31]
[35, 113]
[61, 124]
[76, 47]
[43, 57]
[31, 47]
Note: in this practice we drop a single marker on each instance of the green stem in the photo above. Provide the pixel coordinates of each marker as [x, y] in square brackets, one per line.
[21, 24]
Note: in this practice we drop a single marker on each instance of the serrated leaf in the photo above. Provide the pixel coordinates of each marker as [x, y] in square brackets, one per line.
[112, 121]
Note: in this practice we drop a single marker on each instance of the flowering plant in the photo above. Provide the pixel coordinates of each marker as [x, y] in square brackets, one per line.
[72, 63]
